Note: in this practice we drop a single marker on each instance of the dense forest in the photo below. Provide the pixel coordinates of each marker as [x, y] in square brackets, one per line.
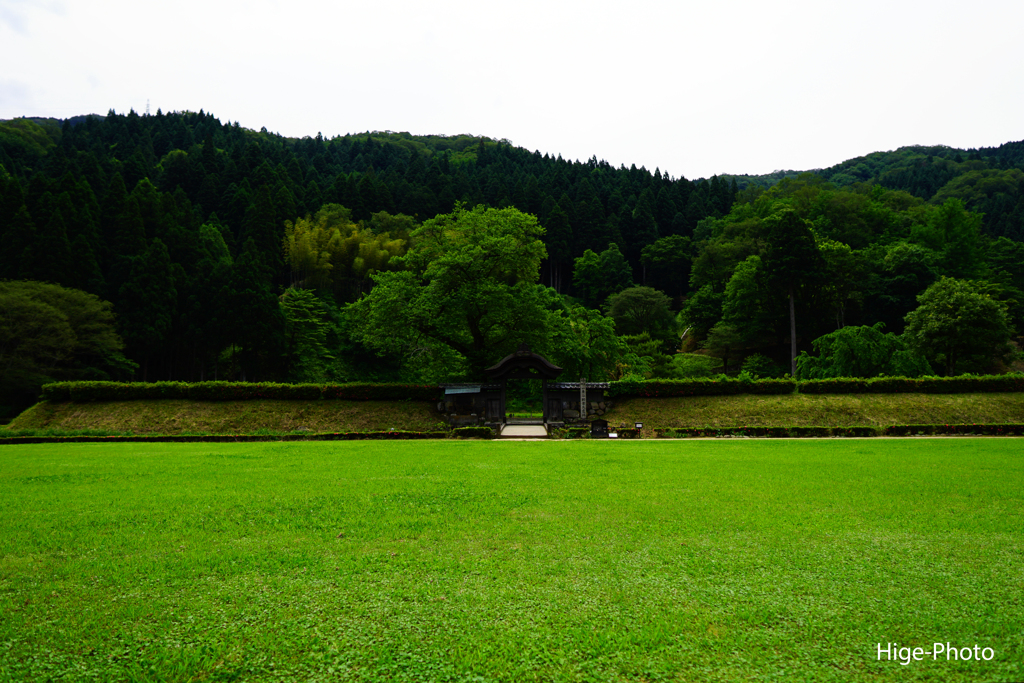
[176, 246]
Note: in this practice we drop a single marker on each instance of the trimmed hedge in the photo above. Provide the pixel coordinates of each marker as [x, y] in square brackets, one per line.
[922, 385]
[226, 438]
[82, 392]
[663, 388]
[699, 387]
[1011, 429]
[762, 432]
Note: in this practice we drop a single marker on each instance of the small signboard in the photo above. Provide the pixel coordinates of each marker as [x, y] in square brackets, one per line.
[462, 390]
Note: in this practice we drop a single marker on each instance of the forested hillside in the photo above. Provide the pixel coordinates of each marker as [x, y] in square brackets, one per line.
[989, 180]
[230, 253]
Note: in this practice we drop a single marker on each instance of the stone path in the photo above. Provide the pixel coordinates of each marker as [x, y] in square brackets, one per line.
[524, 431]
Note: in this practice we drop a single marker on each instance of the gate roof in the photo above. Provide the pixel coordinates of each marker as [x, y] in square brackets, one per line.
[523, 364]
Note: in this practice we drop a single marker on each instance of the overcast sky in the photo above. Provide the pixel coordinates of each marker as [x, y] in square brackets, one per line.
[693, 88]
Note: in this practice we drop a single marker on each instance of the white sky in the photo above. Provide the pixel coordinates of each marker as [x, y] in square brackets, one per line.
[695, 88]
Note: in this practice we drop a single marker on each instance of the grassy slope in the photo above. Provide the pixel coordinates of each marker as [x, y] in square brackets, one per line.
[230, 417]
[711, 561]
[824, 411]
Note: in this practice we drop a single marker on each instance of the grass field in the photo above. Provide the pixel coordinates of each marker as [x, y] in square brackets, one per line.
[475, 561]
[828, 410]
[230, 417]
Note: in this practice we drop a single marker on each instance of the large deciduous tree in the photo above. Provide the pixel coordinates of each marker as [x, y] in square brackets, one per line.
[958, 326]
[667, 264]
[861, 351]
[48, 333]
[642, 309]
[468, 287]
[583, 342]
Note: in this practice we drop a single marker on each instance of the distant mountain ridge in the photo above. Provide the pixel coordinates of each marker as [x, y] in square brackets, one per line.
[872, 166]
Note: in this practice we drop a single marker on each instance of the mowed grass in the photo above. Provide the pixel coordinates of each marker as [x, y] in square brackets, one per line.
[230, 417]
[829, 410]
[474, 561]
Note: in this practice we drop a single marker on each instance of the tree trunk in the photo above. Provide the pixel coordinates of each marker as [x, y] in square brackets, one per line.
[792, 334]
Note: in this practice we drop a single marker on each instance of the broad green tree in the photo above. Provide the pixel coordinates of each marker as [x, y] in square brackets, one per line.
[959, 326]
[725, 341]
[861, 351]
[468, 286]
[667, 264]
[583, 342]
[50, 333]
[642, 309]
[954, 232]
[703, 309]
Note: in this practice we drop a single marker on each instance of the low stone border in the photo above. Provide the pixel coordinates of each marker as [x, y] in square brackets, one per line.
[1014, 429]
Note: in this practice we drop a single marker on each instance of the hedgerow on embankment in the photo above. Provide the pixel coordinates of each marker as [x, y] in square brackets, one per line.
[880, 402]
[829, 410]
[173, 408]
[170, 408]
[177, 416]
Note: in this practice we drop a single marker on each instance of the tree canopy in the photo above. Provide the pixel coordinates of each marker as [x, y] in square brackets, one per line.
[228, 253]
[958, 325]
[468, 286]
[50, 333]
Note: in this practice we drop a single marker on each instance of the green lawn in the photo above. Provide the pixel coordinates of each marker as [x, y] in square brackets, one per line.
[641, 561]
